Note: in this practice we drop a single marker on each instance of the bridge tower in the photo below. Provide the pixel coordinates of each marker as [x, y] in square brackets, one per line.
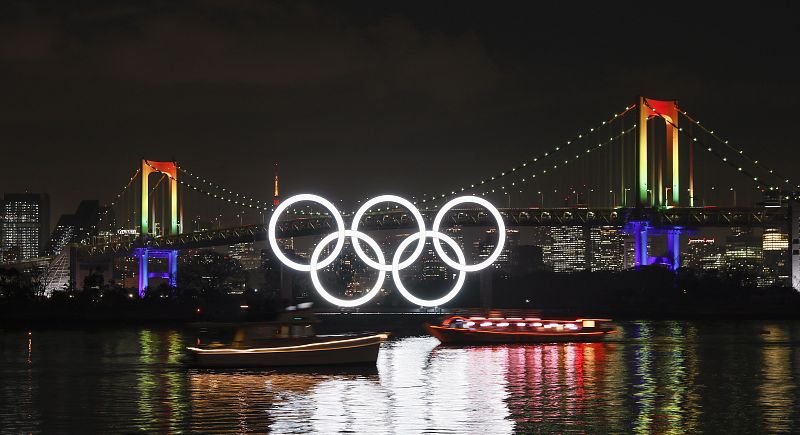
[651, 187]
[170, 169]
[653, 195]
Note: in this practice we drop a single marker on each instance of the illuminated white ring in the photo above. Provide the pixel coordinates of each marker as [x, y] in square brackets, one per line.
[333, 299]
[501, 234]
[339, 234]
[417, 216]
[396, 269]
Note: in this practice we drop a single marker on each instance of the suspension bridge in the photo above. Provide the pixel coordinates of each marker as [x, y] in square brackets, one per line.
[642, 159]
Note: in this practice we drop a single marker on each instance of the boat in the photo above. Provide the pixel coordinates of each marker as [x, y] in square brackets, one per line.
[487, 330]
[289, 341]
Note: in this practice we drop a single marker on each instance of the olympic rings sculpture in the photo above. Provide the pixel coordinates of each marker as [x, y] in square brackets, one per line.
[397, 264]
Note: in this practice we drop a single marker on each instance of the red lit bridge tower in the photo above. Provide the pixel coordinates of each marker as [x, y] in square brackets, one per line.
[650, 186]
[144, 254]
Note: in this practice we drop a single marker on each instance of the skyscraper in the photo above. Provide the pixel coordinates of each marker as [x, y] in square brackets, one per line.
[431, 265]
[775, 248]
[703, 256]
[24, 225]
[607, 249]
[75, 228]
[743, 254]
[568, 251]
[482, 249]
[246, 254]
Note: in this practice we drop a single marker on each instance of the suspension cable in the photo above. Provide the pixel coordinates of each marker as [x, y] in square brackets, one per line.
[713, 151]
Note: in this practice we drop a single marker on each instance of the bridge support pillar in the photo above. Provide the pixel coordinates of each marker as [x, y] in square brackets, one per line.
[172, 266]
[638, 229]
[144, 276]
[674, 248]
[144, 255]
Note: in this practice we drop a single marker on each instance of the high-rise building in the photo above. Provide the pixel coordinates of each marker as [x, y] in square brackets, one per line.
[775, 248]
[483, 248]
[125, 273]
[246, 254]
[607, 248]
[540, 236]
[629, 252]
[24, 225]
[107, 222]
[75, 228]
[703, 255]
[349, 271]
[568, 250]
[431, 265]
[743, 253]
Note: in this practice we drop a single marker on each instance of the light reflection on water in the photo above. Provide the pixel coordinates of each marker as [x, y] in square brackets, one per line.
[662, 377]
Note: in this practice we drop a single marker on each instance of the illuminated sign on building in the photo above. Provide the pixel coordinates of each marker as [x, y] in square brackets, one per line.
[396, 265]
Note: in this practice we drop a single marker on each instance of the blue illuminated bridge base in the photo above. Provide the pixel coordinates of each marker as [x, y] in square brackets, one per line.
[144, 255]
[642, 230]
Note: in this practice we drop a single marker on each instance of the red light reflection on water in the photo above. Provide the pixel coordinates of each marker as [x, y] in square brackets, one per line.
[548, 382]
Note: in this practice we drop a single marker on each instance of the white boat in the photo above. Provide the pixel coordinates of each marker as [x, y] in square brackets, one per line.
[287, 342]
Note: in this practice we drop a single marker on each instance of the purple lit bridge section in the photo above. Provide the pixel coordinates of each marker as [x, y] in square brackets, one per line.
[144, 255]
[641, 230]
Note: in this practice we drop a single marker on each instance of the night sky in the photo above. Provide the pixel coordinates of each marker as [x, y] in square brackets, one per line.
[357, 99]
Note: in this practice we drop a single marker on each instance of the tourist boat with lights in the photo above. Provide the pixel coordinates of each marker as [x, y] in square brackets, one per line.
[289, 341]
[483, 330]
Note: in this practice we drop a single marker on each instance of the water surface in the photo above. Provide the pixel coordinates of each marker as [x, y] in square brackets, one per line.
[651, 377]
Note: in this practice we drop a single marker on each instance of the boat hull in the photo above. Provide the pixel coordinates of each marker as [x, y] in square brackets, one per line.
[471, 336]
[351, 351]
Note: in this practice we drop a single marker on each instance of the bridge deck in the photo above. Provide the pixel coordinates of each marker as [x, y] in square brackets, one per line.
[296, 226]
